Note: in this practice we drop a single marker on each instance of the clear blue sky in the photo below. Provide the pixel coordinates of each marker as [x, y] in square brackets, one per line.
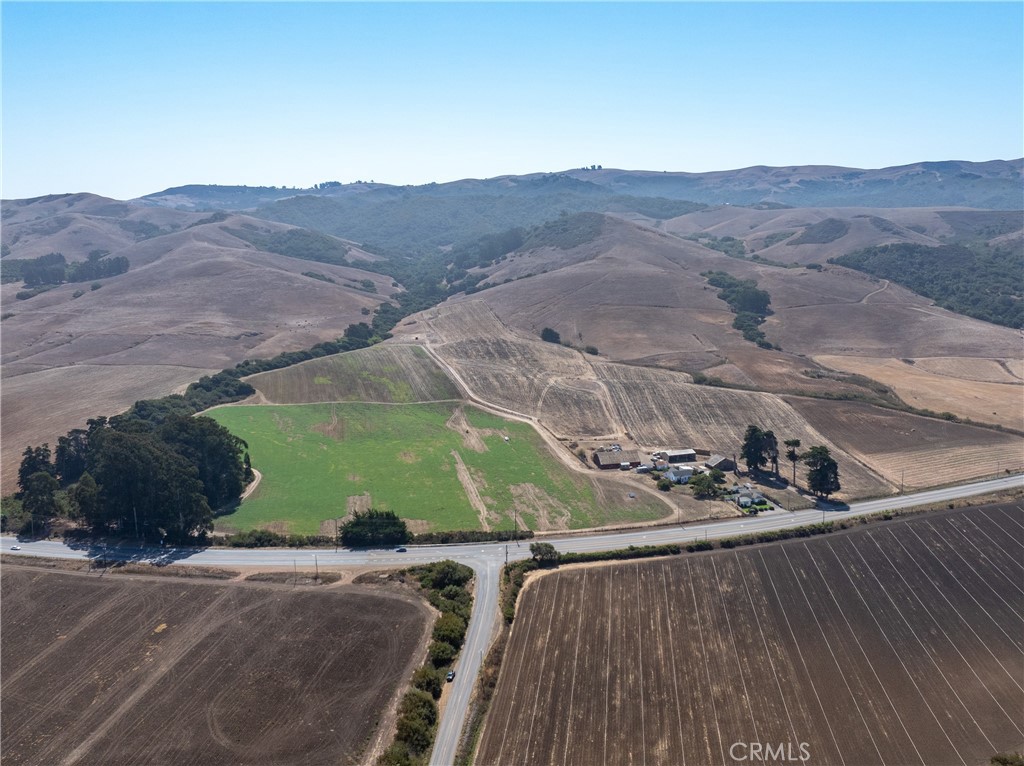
[124, 99]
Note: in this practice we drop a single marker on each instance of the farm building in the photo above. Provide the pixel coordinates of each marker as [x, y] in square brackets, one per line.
[615, 459]
[679, 475]
[679, 456]
[745, 498]
[720, 462]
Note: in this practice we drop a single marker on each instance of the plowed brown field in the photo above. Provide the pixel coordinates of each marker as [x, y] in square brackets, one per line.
[899, 643]
[919, 452]
[101, 671]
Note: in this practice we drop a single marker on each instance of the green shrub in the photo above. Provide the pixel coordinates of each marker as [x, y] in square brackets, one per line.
[418, 704]
[429, 679]
[440, 654]
[450, 629]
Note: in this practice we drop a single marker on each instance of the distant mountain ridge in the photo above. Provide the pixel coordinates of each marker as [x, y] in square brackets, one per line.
[991, 185]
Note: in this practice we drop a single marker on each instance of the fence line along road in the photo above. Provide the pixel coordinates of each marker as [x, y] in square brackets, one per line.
[486, 560]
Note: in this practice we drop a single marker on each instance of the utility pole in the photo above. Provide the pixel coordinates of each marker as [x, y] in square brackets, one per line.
[902, 472]
[335, 535]
[506, 555]
[317, 567]
[295, 569]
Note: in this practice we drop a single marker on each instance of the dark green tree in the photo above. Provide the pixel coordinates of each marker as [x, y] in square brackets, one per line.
[70, 456]
[544, 554]
[793, 454]
[414, 733]
[770, 445]
[430, 680]
[215, 451]
[550, 336]
[753, 449]
[34, 460]
[445, 574]
[38, 499]
[372, 528]
[146, 489]
[440, 653]
[418, 704]
[822, 471]
[450, 628]
[85, 497]
[703, 485]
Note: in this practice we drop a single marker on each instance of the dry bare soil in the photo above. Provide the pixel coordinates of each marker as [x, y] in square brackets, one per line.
[134, 670]
[897, 643]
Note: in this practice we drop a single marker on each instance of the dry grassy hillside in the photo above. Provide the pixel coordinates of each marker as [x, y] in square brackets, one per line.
[637, 295]
[383, 373]
[194, 301]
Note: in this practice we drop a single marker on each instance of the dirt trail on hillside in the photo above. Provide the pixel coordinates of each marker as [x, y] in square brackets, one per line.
[471, 437]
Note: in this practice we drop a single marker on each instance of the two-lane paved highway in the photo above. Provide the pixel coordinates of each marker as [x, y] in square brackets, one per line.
[487, 560]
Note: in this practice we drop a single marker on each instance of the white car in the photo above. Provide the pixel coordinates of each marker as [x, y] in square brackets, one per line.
[15, 547]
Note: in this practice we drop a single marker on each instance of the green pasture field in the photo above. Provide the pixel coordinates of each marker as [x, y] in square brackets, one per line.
[314, 456]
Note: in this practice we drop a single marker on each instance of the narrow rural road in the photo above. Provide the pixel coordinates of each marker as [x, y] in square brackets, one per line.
[487, 560]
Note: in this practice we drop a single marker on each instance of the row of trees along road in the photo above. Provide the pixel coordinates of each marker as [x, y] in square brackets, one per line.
[761, 448]
[126, 475]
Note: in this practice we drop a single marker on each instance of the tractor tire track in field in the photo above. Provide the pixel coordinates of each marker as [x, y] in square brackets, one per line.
[169, 658]
[472, 491]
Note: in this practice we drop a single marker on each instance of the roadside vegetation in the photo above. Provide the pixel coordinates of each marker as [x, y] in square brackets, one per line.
[445, 585]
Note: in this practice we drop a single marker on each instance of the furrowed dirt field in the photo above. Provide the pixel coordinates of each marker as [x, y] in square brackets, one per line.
[897, 643]
[385, 373]
[918, 451]
[133, 670]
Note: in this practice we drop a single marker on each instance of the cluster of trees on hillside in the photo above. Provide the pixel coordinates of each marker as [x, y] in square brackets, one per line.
[53, 269]
[761, 448]
[298, 243]
[129, 476]
[980, 282]
[750, 304]
[822, 232]
[734, 248]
